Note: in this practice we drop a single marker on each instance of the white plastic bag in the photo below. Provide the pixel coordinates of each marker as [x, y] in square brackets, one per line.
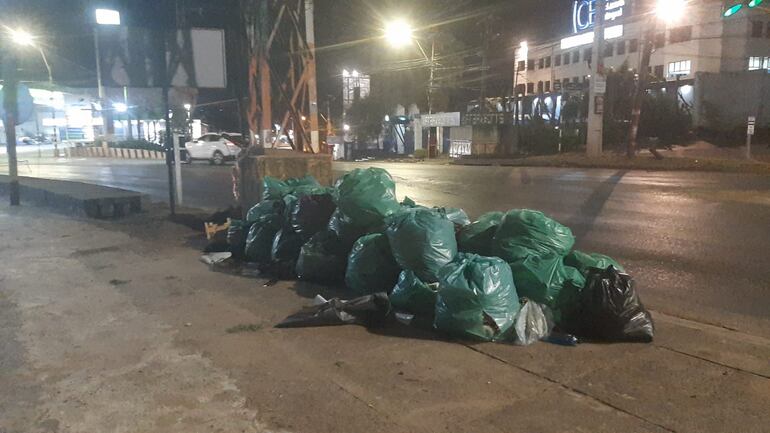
[533, 323]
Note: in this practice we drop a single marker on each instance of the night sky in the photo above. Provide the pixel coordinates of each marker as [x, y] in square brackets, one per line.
[346, 31]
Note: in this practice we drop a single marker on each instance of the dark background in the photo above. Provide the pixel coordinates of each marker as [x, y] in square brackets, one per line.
[347, 34]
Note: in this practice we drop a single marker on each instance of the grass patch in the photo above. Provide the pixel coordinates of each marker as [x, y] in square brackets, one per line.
[254, 327]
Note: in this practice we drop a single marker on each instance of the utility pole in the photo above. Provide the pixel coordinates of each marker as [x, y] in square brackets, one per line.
[312, 86]
[595, 133]
[10, 105]
[641, 86]
[266, 100]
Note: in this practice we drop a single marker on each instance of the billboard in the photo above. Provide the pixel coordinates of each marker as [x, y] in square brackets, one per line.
[134, 56]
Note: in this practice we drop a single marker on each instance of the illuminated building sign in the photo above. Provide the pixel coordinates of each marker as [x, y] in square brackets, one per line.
[584, 13]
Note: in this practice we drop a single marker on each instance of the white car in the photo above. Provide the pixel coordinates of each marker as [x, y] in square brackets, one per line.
[215, 148]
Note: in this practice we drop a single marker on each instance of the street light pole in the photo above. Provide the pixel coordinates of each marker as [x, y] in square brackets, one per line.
[10, 105]
[595, 133]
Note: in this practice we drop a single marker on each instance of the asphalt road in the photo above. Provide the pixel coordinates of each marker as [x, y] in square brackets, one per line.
[697, 243]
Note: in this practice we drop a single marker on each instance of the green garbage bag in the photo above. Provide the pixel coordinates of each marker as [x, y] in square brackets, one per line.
[263, 209]
[320, 261]
[371, 268]
[273, 189]
[408, 202]
[286, 246]
[477, 298]
[457, 216]
[423, 241]
[545, 279]
[477, 237]
[367, 196]
[412, 295]
[523, 233]
[259, 243]
[583, 261]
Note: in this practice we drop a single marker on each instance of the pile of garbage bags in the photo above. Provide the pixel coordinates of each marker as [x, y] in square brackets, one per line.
[507, 277]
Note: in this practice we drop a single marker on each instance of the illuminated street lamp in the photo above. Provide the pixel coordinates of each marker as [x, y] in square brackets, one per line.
[120, 107]
[399, 34]
[21, 37]
[103, 17]
[671, 11]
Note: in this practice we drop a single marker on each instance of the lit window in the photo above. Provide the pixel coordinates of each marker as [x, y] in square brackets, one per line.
[682, 67]
[756, 63]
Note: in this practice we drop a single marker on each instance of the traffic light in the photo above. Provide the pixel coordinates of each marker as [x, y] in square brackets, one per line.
[734, 8]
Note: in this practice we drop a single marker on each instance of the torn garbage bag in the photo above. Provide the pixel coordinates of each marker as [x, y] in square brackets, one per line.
[476, 299]
[610, 309]
[477, 237]
[370, 311]
[414, 296]
[533, 323]
[367, 196]
[523, 233]
[423, 241]
[320, 259]
[583, 261]
[371, 267]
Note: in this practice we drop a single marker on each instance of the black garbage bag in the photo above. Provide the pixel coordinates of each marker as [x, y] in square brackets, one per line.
[477, 237]
[610, 309]
[265, 209]
[370, 311]
[259, 243]
[346, 230]
[312, 214]
[286, 246]
[321, 260]
[236, 237]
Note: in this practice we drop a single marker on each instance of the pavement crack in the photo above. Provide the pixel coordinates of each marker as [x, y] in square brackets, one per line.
[572, 389]
[711, 361]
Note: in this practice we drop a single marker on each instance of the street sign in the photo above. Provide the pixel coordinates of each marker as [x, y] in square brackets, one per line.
[440, 119]
[25, 104]
[752, 125]
[600, 84]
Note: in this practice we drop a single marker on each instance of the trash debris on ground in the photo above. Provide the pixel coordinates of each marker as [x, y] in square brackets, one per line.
[610, 309]
[370, 311]
[371, 268]
[423, 241]
[477, 298]
[533, 323]
[459, 277]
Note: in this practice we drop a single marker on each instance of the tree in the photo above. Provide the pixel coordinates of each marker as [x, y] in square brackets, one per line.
[366, 115]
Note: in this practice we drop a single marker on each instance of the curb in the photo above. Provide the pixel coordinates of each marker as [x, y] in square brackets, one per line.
[117, 153]
[80, 199]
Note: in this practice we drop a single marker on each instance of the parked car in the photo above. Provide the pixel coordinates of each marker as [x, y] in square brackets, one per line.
[215, 148]
[26, 141]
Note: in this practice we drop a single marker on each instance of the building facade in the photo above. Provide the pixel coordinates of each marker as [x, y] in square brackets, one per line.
[690, 39]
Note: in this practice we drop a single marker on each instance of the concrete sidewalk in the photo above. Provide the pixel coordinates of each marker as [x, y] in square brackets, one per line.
[116, 326]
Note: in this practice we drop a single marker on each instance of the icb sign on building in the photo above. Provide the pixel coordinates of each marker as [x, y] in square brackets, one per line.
[584, 13]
